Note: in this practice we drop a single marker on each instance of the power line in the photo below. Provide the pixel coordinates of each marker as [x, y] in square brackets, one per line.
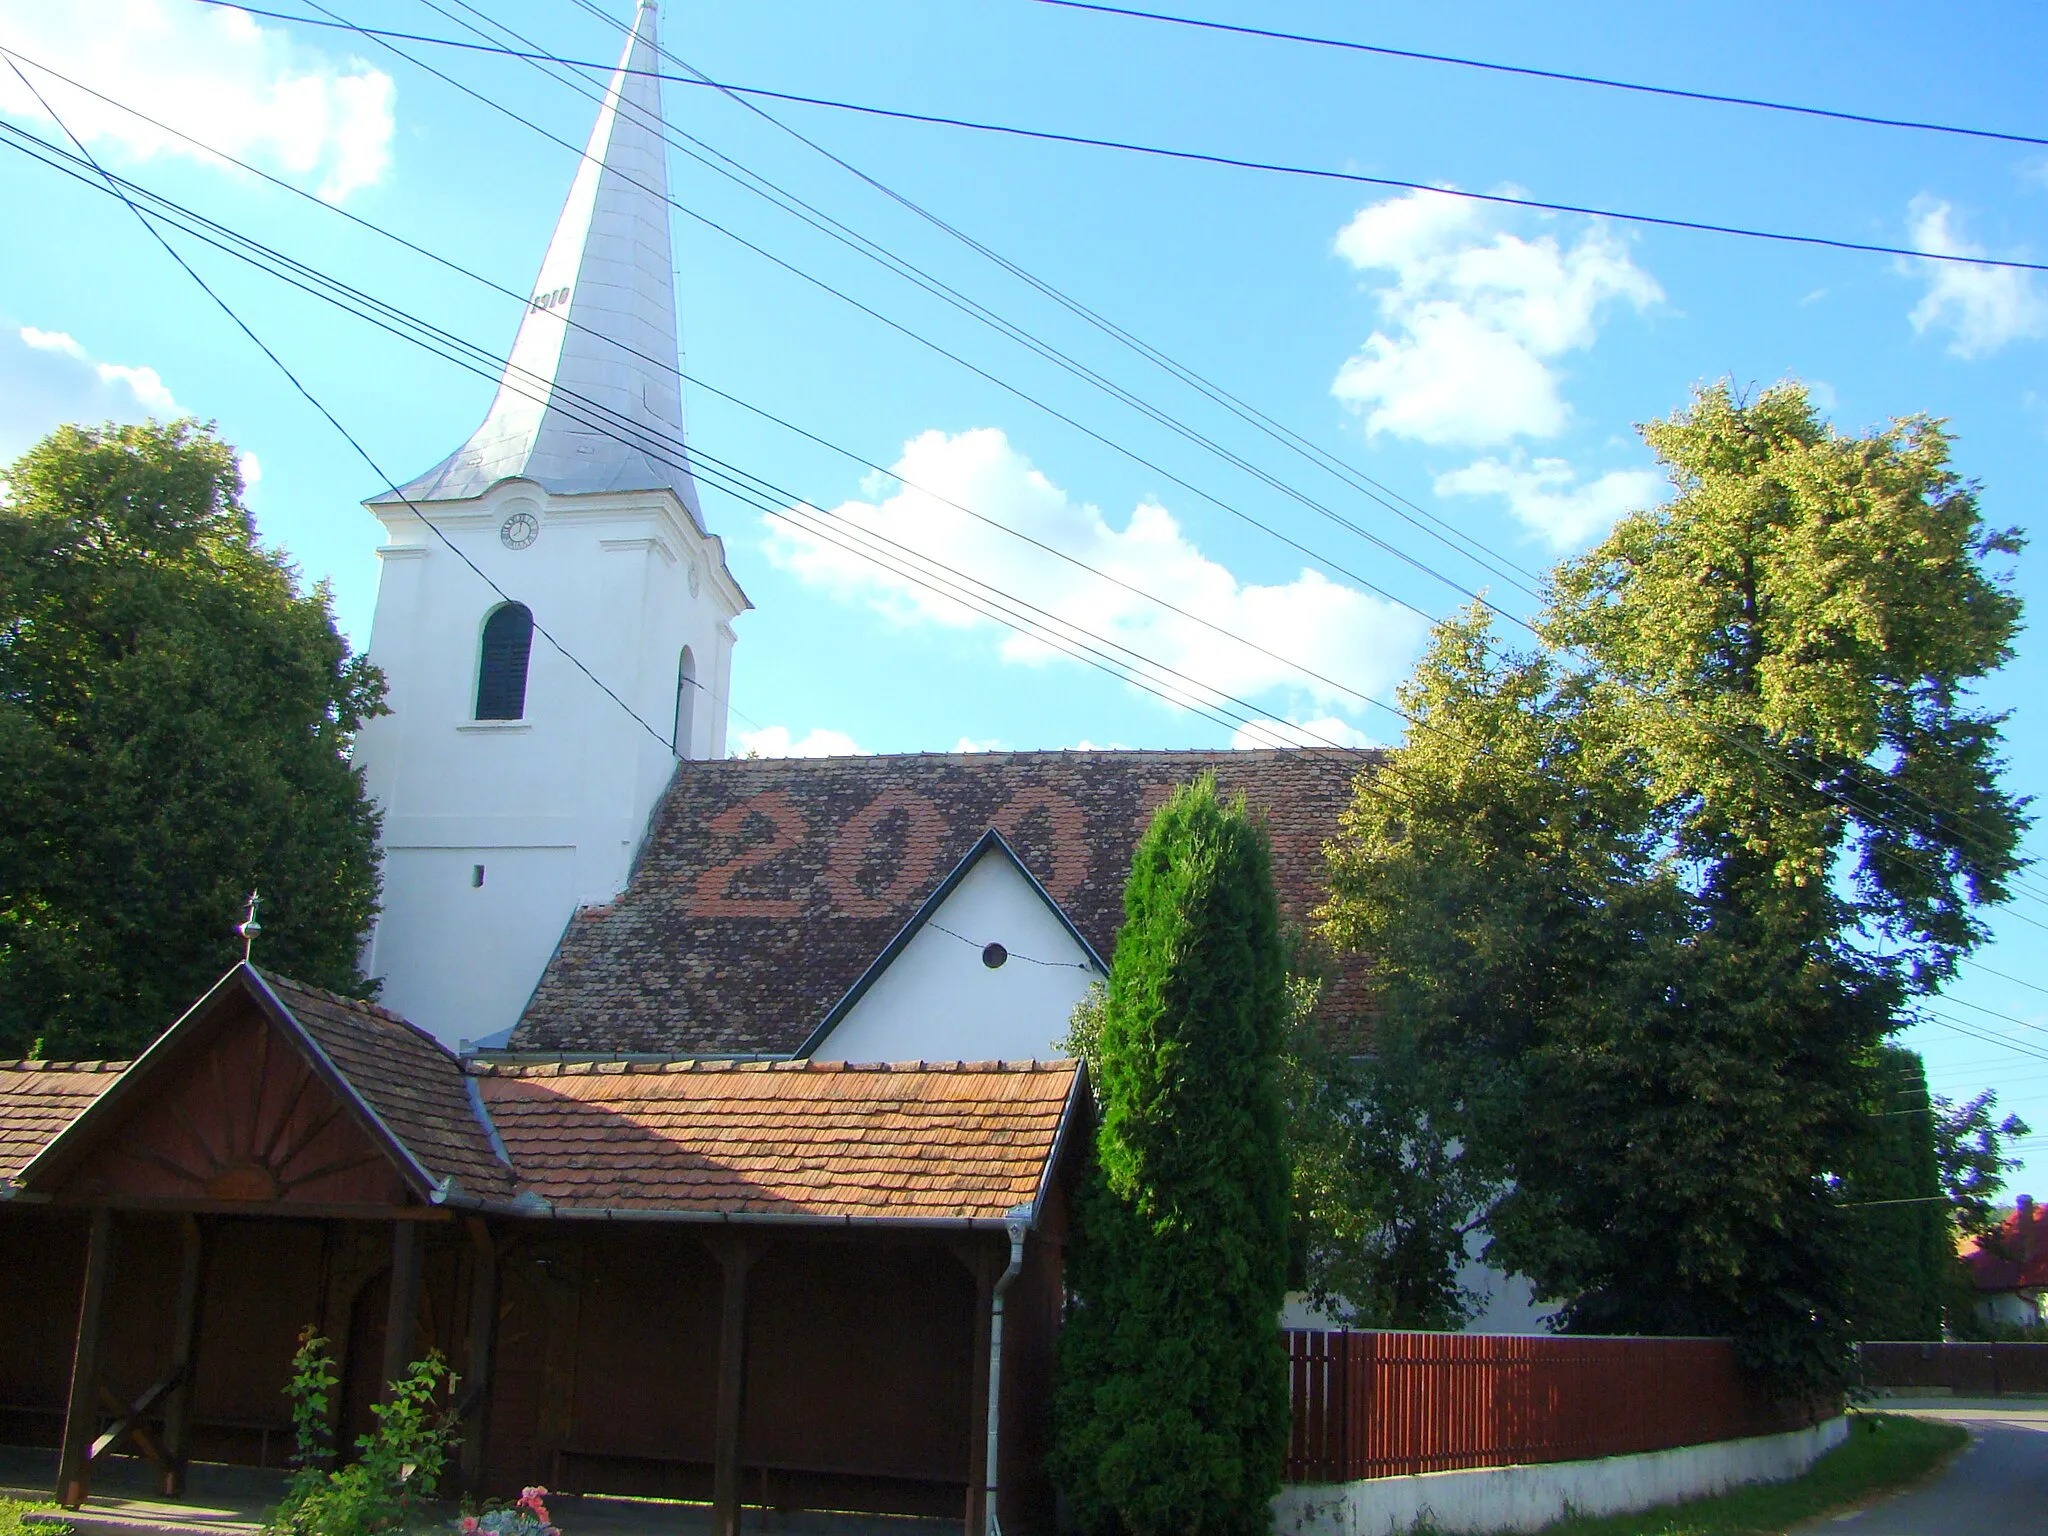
[114, 188]
[1445, 532]
[269, 254]
[1200, 157]
[1836, 795]
[1605, 82]
[1377, 490]
[751, 490]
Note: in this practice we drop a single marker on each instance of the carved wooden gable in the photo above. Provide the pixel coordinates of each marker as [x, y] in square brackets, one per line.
[236, 1111]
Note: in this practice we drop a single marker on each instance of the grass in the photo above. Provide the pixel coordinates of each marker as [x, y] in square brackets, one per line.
[11, 1511]
[1884, 1451]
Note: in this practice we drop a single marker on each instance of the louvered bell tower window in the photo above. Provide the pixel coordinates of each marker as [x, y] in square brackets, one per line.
[501, 676]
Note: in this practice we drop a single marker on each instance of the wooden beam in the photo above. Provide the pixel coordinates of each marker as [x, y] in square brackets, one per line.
[131, 1421]
[983, 1266]
[483, 1331]
[184, 1338]
[81, 1410]
[401, 1320]
[735, 1256]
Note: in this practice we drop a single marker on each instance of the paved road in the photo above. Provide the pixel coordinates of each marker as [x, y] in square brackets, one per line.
[1997, 1487]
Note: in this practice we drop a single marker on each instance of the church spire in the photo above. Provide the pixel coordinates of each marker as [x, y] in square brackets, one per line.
[595, 358]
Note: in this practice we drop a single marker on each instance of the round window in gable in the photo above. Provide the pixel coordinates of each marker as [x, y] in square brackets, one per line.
[993, 955]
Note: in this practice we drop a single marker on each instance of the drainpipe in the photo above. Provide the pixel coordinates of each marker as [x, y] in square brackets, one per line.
[1019, 1222]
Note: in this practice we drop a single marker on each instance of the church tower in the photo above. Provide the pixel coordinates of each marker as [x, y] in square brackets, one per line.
[514, 786]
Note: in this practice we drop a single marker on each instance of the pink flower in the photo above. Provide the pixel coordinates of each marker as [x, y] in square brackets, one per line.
[469, 1524]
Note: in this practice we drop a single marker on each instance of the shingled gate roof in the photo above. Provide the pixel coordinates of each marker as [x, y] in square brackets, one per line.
[960, 1142]
[919, 1143]
[38, 1099]
[767, 886]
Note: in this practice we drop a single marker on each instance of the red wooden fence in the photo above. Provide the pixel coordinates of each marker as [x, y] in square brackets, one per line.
[1972, 1369]
[1383, 1404]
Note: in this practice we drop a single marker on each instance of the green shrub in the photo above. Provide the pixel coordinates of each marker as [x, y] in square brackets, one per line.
[1171, 1409]
[397, 1465]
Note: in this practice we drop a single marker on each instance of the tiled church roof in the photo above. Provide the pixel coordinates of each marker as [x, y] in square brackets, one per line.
[766, 886]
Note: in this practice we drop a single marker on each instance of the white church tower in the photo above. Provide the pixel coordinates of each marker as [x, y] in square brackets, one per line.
[514, 787]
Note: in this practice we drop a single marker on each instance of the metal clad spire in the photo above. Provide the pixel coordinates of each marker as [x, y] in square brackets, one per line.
[603, 305]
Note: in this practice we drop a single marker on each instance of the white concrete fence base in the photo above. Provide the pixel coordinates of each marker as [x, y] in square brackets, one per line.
[1487, 1499]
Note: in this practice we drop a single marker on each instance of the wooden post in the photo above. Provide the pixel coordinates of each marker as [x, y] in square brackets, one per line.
[184, 1336]
[983, 1268]
[735, 1256]
[81, 1410]
[401, 1322]
[483, 1329]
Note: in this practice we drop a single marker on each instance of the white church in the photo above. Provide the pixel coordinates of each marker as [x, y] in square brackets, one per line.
[571, 862]
[573, 867]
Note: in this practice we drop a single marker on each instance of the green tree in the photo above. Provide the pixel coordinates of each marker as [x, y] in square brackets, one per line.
[1171, 1408]
[1900, 1237]
[1646, 899]
[1382, 1199]
[1970, 1149]
[175, 719]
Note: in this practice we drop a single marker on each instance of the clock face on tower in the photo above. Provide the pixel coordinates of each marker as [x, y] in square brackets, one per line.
[520, 530]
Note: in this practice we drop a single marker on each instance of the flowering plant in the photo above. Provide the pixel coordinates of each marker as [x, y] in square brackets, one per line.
[526, 1515]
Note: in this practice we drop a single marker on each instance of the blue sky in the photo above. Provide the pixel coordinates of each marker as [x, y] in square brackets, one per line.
[1488, 364]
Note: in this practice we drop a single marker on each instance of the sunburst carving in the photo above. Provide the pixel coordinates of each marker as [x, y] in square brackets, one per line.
[245, 1122]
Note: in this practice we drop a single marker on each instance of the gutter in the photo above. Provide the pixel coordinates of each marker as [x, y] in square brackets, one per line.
[1019, 1221]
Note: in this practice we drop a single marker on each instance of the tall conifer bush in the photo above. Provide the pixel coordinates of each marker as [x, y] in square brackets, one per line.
[1172, 1404]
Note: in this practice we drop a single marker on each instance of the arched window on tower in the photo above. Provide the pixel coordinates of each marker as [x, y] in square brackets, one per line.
[501, 669]
[686, 702]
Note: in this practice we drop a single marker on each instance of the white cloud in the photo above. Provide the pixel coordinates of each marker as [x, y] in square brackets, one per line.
[1985, 307]
[48, 378]
[251, 468]
[1475, 317]
[969, 744]
[250, 91]
[1316, 623]
[1326, 732]
[1545, 497]
[776, 741]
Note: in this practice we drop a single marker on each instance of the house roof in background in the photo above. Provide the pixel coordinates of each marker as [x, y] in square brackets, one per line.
[2015, 1257]
[794, 1140]
[767, 887]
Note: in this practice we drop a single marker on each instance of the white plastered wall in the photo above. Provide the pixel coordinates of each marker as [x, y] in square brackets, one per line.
[552, 805]
[937, 1001]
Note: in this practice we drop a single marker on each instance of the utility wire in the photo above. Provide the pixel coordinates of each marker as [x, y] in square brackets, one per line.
[1815, 785]
[698, 382]
[1373, 488]
[114, 187]
[1734, 738]
[1184, 692]
[1157, 151]
[1605, 82]
[1445, 532]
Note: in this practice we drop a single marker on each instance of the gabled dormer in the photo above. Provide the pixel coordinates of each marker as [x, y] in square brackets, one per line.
[987, 969]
